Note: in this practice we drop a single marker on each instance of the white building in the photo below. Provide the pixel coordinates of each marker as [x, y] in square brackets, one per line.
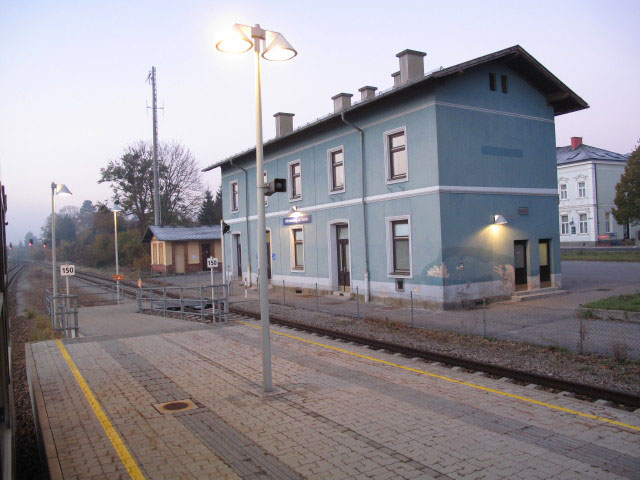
[587, 179]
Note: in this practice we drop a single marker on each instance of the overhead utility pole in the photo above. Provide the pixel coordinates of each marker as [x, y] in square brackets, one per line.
[157, 217]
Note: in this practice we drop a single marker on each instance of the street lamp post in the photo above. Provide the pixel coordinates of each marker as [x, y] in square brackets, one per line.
[271, 46]
[116, 208]
[56, 189]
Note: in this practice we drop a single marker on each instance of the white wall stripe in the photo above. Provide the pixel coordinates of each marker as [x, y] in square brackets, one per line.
[536, 192]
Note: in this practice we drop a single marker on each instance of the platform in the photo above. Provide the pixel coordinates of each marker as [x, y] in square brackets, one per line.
[338, 410]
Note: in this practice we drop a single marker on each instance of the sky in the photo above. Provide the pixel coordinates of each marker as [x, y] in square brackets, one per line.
[73, 91]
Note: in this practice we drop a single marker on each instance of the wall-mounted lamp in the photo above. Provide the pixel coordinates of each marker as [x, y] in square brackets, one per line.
[293, 212]
[499, 220]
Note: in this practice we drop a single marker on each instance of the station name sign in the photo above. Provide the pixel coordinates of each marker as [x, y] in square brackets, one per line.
[296, 220]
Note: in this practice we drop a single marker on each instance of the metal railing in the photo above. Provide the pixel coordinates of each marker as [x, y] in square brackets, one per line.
[203, 303]
[63, 313]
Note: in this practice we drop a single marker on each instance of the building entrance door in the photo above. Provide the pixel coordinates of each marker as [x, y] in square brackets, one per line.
[520, 264]
[545, 263]
[342, 244]
[179, 257]
[268, 234]
[236, 252]
[206, 253]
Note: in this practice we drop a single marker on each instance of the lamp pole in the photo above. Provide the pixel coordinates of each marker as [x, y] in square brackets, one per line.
[276, 48]
[115, 230]
[53, 253]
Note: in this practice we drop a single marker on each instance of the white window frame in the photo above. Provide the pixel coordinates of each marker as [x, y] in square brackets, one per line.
[290, 180]
[563, 191]
[387, 155]
[231, 196]
[582, 191]
[330, 170]
[607, 222]
[585, 223]
[563, 230]
[389, 229]
[292, 248]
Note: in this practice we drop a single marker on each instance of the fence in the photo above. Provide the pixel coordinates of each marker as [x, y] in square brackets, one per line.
[574, 329]
[63, 310]
[204, 303]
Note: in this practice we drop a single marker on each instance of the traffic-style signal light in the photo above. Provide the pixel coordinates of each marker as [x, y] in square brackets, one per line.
[10, 246]
[225, 228]
[44, 244]
[277, 185]
[31, 242]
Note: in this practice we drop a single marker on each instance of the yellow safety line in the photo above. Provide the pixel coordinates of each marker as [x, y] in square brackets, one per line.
[116, 441]
[459, 382]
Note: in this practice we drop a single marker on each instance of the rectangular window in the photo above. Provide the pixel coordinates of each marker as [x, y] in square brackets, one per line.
[492, 82]
[161, 254]
[298, 248]
[503, 81]
[336, 161]
[154, 254]
[564, 224]
[607, 222]
[563, 192]
[582, 190]
[234, 196]
[397, 156]
[583, 223]
[295, 179]
[400, 239]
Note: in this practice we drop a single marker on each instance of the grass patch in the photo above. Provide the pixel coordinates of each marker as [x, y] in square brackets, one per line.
[41, 327]
[596, 256]
[629, 303]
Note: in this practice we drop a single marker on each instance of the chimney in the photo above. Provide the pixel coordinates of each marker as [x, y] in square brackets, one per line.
[341, 101]
[367, 92]
[411, 65]
[396, 79]
[284, 123]
[575, 142]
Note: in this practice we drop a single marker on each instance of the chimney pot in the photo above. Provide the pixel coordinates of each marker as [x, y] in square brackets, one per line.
[367, 92]
[341, 101]
[284, 123]
[411, 65]
[396, 78]
[575, 142]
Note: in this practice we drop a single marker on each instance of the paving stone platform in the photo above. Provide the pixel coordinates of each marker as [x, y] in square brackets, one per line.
[333, 414]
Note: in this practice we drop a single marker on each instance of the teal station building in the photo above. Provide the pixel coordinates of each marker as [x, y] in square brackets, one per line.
[443, 187]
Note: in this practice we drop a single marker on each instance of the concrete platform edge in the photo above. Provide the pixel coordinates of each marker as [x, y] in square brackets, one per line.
[46, 445]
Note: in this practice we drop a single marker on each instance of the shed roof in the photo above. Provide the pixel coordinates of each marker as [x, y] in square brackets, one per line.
[583, 153]
[562, 98]
[178, 234]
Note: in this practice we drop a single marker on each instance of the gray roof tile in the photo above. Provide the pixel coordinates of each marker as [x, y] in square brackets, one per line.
[177, 234]
[584, 153]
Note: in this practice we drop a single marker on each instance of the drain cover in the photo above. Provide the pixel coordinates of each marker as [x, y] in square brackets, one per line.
[175, 406]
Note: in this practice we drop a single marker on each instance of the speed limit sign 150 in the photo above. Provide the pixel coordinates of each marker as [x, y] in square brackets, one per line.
[67, 270]
[212, 262]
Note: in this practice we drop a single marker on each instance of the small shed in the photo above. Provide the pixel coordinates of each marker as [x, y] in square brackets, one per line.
[183, 249]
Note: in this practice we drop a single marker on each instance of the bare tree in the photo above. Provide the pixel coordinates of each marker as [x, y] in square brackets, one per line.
[131, 179]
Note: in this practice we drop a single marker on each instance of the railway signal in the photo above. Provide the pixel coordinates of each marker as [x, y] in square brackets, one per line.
[31, 242]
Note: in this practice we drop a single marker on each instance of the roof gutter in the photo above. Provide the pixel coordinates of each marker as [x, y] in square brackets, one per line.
[364, 208]
[246, 218]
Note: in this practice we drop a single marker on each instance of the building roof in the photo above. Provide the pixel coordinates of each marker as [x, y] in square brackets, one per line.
[180, 234]
[561, 97]
[584, 153]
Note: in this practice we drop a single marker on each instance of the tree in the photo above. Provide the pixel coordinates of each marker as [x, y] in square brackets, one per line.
[627, 198]
[131, 179]
[210, 210]
[85, 215]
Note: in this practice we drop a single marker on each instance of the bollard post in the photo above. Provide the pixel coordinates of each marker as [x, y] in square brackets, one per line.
[357, 302]
[484, 317]
[164, 300]
[181, 305]
[284, 294]
[201, 305]
[214, 302]
[317, 298]
[139, 300]
[411, 295]
[581, 330]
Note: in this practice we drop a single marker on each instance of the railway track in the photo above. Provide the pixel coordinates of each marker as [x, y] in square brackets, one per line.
[584, 390]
